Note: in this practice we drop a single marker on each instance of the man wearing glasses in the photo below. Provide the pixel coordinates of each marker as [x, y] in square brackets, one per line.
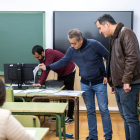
[88, 54]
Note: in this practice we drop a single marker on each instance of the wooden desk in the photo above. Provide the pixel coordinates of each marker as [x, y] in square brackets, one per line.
[40, 132]
[30, 108]
[20, 94]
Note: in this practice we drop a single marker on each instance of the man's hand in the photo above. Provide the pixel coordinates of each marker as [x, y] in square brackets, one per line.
[42, 66]
[105, 80]
[126, 87]
[112, 90]
[37, 85]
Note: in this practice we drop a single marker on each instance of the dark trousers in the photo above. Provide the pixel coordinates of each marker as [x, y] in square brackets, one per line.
[127, 104]
[69, 85]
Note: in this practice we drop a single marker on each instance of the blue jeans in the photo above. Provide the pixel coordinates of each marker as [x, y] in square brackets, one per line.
[89, 98]
[127, 104]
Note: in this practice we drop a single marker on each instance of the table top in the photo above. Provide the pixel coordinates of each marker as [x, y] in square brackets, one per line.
[36, 92]
[40, 132]
[21, 94]
[40, 94]
[50, 94]
[35, 107]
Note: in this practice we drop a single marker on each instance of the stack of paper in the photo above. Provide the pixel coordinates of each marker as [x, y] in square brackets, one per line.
[49, 91]
[16, 91]
[69, 93]
[32, 91]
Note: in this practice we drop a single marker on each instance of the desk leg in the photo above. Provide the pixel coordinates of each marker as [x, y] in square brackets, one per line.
[76, 118]
[59, 121]
[64, 128]
[57, 127]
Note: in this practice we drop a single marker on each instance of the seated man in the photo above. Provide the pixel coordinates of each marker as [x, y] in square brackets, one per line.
[66, 73]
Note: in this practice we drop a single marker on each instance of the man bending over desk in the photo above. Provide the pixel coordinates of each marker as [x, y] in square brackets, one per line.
[88, 55]
[66, 73]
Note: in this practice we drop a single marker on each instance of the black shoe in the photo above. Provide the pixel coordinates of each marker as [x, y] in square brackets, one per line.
[88, 138]
[68, 120]
[53, 119]
[108, 139]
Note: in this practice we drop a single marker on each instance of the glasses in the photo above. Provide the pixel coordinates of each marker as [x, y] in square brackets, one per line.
[73, 44]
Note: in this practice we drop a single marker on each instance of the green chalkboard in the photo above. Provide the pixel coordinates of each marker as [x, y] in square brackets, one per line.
[19, 32]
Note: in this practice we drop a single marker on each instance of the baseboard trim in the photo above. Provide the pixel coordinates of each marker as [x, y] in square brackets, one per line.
[97, 108]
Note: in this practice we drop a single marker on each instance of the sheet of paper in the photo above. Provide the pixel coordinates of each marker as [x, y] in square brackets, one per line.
[31, 91]
[49, 91]
[69, 93]
[35, 71]
[17, 91]
[22, 85]
[31, 132]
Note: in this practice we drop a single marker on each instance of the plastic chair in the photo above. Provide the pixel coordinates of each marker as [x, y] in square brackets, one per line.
[9, 95]
[28, 120]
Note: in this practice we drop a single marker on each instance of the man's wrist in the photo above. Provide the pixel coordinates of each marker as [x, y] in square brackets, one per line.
[47, 67]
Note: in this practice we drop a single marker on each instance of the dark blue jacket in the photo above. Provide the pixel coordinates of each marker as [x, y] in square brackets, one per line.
[89, 59]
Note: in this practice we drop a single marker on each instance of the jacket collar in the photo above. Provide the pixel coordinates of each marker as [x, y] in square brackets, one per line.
[84, 43]
[116, 32]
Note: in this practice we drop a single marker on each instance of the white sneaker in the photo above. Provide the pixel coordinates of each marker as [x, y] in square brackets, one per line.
[68, 120]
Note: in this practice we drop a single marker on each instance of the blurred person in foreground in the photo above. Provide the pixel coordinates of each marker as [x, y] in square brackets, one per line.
[10, 128]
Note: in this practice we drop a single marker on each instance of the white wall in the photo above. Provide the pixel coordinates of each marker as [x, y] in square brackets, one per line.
[73, 5]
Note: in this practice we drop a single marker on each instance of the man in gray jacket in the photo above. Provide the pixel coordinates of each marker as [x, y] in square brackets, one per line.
[123, 71]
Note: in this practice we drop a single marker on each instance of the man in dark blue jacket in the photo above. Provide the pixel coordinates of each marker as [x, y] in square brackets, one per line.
[88, 54]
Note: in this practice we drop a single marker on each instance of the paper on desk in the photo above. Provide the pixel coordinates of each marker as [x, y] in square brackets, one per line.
[31, 132]
[17, 91]
[31, 91]
[69, 93]
[15, 85]
[49, 91]
[35, 71]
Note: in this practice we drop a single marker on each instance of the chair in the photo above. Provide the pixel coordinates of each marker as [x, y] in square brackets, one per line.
[28, 120]
[9, 95]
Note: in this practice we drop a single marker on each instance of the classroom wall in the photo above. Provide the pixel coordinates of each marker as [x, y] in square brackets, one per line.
[74, 5]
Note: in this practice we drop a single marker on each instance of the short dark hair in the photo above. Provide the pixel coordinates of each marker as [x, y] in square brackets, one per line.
[106, 17]
[2, 93]
[75, 33]
[37, 48]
